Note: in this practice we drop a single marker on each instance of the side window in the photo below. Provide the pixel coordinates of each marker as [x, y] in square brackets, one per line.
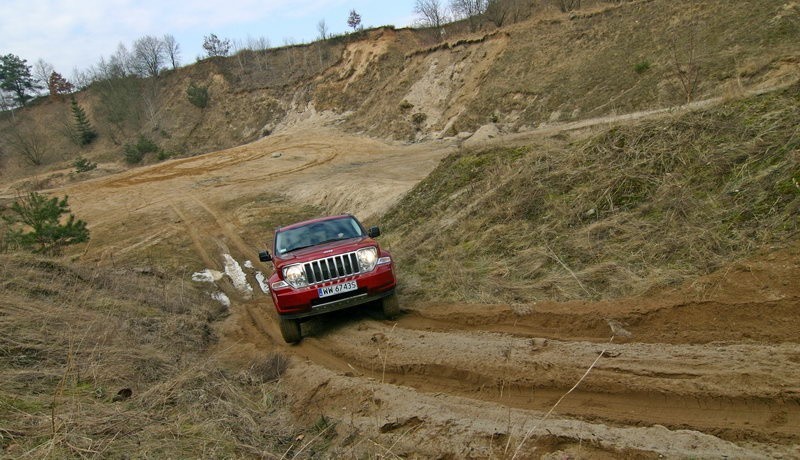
[280, 246]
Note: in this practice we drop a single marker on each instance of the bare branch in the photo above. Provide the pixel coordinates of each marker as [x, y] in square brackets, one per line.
[431, 13]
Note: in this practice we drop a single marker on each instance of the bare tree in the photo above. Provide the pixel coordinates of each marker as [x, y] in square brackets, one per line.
[148, 55]
[239, 48]
[686, 68]
[289, 43]
[120, 106]
[498, 10]
[322, 28]
[173, 50]
[81, 78]
[431, 13]
[30, 143]
[119, 65]
[7, 103]
[468, 8]
[518, 10]
[42, 71]
[257, 44]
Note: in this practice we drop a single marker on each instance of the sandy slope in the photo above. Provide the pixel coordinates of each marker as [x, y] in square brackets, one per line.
[711, 369]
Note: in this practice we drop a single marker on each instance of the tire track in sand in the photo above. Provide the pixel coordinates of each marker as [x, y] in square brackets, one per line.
[730, 418]
[204, 164]
[349, 346]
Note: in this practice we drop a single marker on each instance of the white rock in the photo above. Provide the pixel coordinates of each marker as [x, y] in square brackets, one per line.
[207, 276]
[262, 282]
[221, 298]
[237, 276]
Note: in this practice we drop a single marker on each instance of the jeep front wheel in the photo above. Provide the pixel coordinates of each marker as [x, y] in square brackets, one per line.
[391, 306]
[290, 330]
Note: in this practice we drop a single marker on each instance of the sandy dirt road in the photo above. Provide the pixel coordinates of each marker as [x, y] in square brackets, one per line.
[711, 369]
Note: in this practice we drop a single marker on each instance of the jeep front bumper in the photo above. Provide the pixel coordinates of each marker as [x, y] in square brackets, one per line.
[305, 302]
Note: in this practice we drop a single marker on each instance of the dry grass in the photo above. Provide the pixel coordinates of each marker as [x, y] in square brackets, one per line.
[584, 67]
[270, 368]
[630, 209]
[72, 337]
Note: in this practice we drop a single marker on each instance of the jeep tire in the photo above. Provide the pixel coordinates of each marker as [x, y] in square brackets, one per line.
[391, 306]
[290, 330]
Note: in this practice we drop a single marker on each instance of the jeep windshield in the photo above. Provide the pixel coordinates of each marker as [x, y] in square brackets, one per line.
[315, 233]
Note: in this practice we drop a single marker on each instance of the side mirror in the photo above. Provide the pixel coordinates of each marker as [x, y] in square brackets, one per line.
[264, 256]
[374, 232]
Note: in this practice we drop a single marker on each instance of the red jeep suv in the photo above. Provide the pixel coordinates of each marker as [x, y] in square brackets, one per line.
[327, 264]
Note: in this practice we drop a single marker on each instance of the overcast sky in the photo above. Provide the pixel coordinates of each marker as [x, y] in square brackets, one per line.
[76, 33]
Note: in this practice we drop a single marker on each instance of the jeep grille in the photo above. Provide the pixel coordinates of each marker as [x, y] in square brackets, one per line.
[331, 268]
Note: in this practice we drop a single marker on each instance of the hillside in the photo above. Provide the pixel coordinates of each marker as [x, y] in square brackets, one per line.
[589, 267]
[581, 215]
[403, 85]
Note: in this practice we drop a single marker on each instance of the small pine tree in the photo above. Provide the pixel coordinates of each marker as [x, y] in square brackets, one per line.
[83, 165]
[35, 224]
[86, 134]
[134, 153]
[198, 95]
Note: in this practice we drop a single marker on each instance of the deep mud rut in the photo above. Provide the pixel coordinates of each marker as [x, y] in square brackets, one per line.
[711, 369]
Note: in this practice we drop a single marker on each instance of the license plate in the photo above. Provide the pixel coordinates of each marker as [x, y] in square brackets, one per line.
[328, 291]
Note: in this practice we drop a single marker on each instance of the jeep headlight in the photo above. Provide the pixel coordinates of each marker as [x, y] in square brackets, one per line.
[367, 258]
[295, 275]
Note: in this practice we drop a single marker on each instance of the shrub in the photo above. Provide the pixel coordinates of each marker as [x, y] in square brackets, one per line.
[419, 118]
[145, 145]
[132, 154]
[120, 103]
[405, 105]
[35, 224]
[642, 67]
[198, 95]
[83, 165]
[163, 155]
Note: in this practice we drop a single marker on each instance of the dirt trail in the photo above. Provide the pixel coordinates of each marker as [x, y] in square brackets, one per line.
[711, 369]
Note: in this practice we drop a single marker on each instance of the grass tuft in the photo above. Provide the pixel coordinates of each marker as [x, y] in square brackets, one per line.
[270, 368]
